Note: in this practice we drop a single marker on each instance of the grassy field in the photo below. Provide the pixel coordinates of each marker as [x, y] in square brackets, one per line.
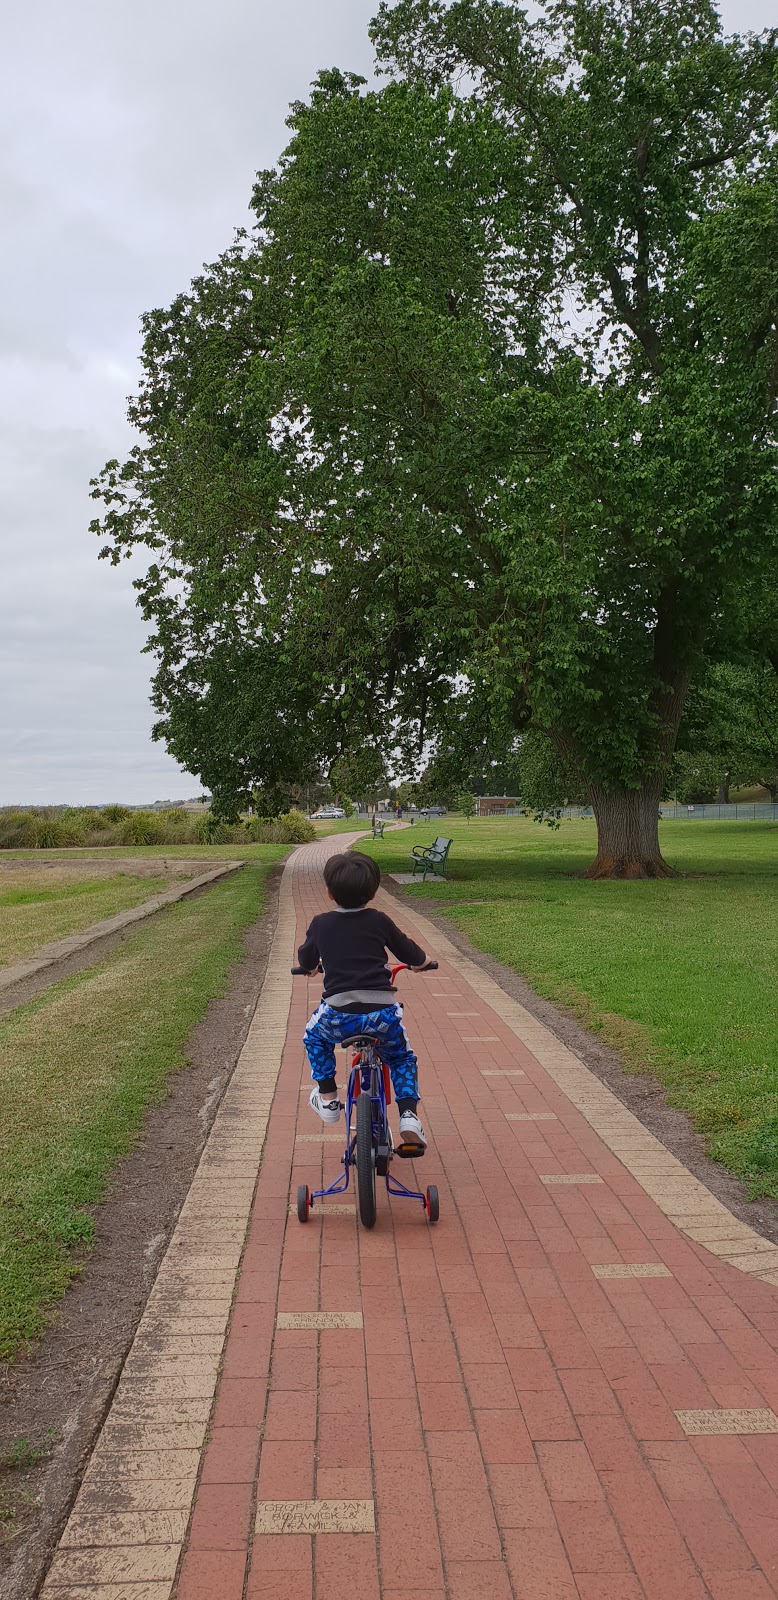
[37, 906]
[679, 974]
[343, 825]
[78, 1068]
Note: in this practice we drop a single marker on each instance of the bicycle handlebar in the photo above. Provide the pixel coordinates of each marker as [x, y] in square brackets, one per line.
[402, 966]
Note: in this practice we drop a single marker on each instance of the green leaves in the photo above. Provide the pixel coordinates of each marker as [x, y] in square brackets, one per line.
[476, 426]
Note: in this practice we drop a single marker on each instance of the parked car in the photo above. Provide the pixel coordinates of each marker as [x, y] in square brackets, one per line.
[433, 811]
[327, 814]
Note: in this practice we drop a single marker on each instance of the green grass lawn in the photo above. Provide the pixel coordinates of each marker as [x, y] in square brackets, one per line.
[36, 907]
[78, 1068]
[343, 825]
[679, 974]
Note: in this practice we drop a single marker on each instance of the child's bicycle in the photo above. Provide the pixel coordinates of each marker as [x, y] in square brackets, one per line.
[369, 1146]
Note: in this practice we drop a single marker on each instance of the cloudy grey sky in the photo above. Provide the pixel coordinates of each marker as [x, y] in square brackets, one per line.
[130, 131]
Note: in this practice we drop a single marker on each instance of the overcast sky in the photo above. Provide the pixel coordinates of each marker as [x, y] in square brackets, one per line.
[130, 131]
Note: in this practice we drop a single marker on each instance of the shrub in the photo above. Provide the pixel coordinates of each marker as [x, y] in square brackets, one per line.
[298, 829]
[174, 817]
[37, 830]
[18, 830]
[141, 827]
[291, 828]
[95, 821]
[116, 813]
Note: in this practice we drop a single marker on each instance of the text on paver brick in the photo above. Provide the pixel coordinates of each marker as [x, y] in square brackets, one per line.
[315, 1516]
[728, 1421]
[633, 1269]
[318, 1138]
[570, 1177]
[319, 1319]
[531, 1116]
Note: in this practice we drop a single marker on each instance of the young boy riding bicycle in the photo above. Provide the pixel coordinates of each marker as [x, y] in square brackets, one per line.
[350, 944]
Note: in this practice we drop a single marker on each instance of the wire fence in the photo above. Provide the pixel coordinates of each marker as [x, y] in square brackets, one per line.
[754, 811]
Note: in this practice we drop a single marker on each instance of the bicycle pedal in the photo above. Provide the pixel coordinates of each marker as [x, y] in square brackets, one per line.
[410, 1152]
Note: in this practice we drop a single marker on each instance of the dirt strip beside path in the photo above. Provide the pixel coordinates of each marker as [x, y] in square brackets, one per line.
[554, 1394]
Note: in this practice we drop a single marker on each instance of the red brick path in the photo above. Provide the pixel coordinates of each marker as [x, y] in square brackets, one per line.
[511, 1414]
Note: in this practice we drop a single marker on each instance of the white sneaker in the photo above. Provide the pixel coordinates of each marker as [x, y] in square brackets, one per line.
[328, 1110]
[411, 1130]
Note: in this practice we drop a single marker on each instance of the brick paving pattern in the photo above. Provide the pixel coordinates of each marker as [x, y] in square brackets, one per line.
[557, 1393]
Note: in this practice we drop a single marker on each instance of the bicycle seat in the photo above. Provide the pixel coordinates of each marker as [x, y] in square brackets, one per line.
[359, 1041]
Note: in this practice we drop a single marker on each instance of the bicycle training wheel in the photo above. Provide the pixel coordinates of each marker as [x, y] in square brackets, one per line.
[365, 1162]
[303, 1202]
[432, 1203]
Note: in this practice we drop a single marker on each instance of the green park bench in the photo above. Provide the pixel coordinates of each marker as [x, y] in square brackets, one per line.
[378, 828]
[430, 858]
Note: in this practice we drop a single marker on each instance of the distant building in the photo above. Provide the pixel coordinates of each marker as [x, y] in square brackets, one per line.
[495, 805]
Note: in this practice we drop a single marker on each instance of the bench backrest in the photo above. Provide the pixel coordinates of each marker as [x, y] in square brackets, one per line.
[440, 847]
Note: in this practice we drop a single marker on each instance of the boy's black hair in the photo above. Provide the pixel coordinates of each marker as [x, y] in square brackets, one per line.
[352, 879]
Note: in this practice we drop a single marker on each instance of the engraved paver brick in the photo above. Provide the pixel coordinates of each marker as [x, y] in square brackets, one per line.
[570, 1177]
[728, 1421]
[632, 1269]
[315, 1516]
[319, 1319]
[319, 1138]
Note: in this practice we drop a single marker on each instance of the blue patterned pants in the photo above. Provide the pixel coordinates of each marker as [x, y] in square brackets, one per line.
[329, 1027]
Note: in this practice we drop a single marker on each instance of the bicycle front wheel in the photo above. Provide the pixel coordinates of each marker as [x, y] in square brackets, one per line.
[365, 1162]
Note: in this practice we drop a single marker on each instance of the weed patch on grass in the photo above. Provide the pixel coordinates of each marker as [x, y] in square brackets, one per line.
[17, 1498]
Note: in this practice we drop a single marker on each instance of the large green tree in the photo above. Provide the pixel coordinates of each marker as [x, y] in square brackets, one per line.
[729, 732]
[481, 418]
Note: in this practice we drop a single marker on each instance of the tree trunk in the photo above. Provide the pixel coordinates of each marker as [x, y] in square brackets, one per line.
[628, 833]
[722, 793]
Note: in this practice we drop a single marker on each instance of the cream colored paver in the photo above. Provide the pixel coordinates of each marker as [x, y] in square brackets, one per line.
[165, 1395]
[633, 1269]
[319, 1319]
[724, 1421]
[570, 1177]
[502, 1072]
[531, 1116]
[140, 1564]
[480, 1038]
[319, 1138]
[161, 1464]
[315, 1516]
[125, 1439]
[689, 1202]
[100, 1498]
[324, 1209]
[114, 1591]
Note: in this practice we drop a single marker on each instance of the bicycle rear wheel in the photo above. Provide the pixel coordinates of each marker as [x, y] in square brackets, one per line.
[365, 1162]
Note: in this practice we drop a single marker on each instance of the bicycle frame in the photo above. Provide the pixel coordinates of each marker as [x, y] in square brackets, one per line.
[369, 1075]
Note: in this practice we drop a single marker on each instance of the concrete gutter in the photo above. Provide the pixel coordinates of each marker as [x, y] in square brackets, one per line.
[49, 955]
